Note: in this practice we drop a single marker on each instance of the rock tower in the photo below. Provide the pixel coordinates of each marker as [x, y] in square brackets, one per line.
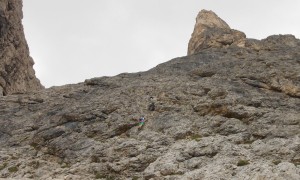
[16, 66]
[210, 31]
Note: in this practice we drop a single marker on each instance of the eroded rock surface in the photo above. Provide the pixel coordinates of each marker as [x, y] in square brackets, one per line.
[223, 113]
[16, 66]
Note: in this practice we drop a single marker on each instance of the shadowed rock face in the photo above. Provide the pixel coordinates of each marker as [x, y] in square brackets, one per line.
[16, 66]
[225, 112]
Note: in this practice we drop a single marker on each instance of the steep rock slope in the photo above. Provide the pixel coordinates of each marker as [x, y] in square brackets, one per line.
[16, 72]
[224, 112]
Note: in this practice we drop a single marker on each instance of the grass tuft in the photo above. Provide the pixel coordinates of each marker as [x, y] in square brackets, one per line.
[243, 162]
[13, 169]
[196, 137]
[3, 166]
[276, 162]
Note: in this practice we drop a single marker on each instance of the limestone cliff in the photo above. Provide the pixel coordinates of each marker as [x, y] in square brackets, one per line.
[16, 66]
[228, 111]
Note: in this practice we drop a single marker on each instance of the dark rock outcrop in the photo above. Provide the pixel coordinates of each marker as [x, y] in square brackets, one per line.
[16, 66]
[230, 112]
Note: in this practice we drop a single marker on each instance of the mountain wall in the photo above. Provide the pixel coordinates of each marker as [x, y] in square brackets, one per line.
[225, 111]
[16, 66]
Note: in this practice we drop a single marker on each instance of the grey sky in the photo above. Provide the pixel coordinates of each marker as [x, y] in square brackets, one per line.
[73, 40]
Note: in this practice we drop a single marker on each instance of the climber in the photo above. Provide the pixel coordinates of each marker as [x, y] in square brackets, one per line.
[141, 121]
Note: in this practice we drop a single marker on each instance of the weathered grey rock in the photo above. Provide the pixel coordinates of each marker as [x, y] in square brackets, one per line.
[16, 66]
[230, 113]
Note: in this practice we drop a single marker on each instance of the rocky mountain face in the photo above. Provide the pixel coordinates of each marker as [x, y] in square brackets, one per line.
[229, 110]
[211, 31]
[16, 72]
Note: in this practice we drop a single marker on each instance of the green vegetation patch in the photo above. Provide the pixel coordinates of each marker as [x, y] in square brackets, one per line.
[196, 137]
[135, 178]
[13, 169]
[276, 162]
[3, 166]
[35, 146]
[99, 175]
[243, 162]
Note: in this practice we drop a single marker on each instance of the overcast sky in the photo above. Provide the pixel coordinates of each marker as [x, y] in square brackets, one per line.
[74, 40]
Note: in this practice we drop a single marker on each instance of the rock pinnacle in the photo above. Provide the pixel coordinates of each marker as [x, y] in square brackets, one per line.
[210, 31]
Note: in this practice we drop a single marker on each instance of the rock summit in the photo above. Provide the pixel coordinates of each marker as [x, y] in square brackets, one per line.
[212, 32]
